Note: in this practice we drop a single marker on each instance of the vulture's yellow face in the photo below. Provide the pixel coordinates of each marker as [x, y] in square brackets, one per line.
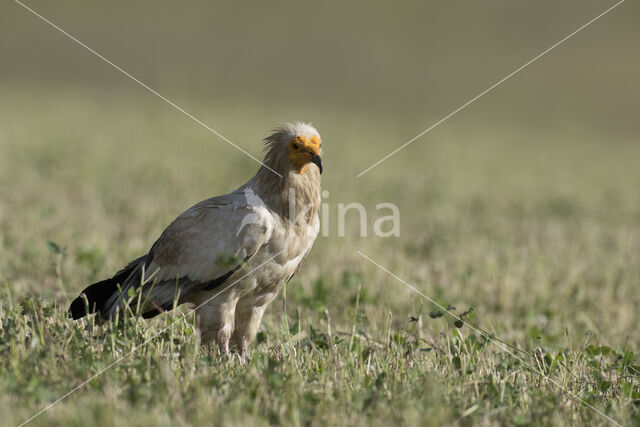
[304, 150]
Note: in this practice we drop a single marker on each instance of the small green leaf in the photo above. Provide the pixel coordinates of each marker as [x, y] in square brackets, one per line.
[604, 386]
[628, 358]
[457, 362]
[295, 326]
[634, 370]
[558, 359]
[591, 349]
[53, 248]
[605, 350]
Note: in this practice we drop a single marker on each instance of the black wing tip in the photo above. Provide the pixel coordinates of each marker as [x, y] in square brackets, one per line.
[94, 297]
[79, 308]
[76, 310]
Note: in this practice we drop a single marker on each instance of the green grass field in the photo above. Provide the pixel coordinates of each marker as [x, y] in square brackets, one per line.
[521, 213]
[541, 239]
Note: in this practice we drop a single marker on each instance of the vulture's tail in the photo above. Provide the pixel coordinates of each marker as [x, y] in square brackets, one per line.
[103, 297]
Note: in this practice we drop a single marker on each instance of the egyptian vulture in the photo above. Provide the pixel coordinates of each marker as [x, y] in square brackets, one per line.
[228, 255]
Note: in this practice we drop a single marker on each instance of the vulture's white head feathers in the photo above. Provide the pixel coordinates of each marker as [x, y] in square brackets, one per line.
[294, 146]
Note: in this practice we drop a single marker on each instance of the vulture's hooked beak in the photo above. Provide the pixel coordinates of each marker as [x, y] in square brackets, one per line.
[318, 161]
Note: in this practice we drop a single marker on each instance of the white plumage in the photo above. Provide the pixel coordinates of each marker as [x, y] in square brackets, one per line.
[229, 255]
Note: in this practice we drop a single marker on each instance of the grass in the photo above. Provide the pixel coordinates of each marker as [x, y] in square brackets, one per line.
[521, 213]
[535, 237]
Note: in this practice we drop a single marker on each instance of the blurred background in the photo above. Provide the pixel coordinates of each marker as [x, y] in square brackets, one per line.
[525, 204]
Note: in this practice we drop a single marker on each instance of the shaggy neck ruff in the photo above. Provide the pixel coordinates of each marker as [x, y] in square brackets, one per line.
[292, 194]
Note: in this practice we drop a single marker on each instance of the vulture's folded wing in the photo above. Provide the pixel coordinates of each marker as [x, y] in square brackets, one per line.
[201, 249]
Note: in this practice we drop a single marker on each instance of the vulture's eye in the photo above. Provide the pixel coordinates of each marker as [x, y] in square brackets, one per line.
[295, 146]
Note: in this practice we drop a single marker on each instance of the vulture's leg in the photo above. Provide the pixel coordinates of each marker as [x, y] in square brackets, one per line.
[249, 311]
[216, 321]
